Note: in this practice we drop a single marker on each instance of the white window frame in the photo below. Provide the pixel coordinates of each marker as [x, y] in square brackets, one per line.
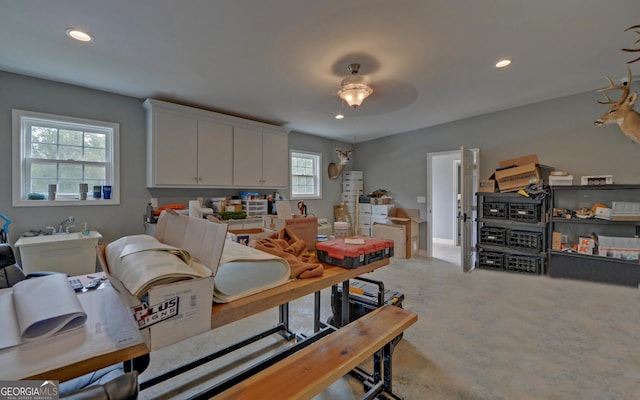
[20, 177]
[317, 159]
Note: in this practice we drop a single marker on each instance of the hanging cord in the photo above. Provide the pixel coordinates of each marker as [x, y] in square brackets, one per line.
[5, 229]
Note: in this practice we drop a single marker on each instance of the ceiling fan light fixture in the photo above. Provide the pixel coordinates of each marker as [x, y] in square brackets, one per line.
[354, 88]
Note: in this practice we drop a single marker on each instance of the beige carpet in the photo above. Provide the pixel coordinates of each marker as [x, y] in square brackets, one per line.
[481, 335]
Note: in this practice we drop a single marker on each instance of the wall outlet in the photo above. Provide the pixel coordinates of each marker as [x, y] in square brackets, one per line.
[154, 202]
[422, 199]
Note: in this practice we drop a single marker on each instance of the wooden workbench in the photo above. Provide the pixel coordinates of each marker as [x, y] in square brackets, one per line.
[221, 314]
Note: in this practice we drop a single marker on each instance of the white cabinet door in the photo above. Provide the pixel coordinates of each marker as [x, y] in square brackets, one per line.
[275, 162]
[260, 158]
[174, 142]
[247, 157]
[215, 154]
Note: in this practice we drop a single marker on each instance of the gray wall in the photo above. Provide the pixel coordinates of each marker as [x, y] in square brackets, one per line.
[22, 92]
[560, 132]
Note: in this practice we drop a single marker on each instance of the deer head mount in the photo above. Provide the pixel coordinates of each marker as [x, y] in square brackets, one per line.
[335, 169]
[622, 112]
[634, 43]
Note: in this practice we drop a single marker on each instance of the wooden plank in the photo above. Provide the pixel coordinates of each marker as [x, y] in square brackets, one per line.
[312, 369]
[223, 314]
[91, 364]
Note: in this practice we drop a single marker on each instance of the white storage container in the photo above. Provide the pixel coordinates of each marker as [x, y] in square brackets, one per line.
[255, 208]
[70, 253]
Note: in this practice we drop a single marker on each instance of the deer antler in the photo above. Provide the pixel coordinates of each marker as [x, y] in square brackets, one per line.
[634, 43]
[625, 89]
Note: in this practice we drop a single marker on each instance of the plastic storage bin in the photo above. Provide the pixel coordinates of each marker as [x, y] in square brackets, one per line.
[337, 252]
[70, 253]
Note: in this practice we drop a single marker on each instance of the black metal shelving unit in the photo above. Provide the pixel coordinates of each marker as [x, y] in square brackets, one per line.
[572, 265]
[512, 233]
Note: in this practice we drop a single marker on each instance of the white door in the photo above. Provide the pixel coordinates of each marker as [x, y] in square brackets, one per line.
[465, 217]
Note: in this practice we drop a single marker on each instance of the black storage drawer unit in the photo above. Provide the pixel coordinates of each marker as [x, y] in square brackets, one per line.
[512, 232]
[493, 235]
[525, 240]
[494, 210]
[491, 260]
[524, 264]
[524, 212]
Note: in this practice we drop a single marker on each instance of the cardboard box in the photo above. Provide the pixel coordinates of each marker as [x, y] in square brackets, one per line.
[182, 309]
[244, 236]
[487, 186]
[586, 245]
[410, 219]
[594, 180]
[516, 178]
[305, 228]
[392, 232]
[561, 180]
[556, 241]
[519, 161]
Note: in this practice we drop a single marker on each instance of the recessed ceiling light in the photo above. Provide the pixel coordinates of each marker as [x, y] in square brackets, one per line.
[339, 116]
[78, 35]
[503, 63]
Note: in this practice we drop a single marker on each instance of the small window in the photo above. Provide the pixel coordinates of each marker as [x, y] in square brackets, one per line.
[51, 149]
[305, 175]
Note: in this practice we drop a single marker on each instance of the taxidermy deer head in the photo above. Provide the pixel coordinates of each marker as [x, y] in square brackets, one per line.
[636, 42]
[622, 112]
[335, 169]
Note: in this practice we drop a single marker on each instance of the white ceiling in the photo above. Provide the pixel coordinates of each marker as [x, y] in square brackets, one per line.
[281, 61]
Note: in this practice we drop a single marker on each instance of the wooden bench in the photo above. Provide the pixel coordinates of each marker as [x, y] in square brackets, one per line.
[314, 368]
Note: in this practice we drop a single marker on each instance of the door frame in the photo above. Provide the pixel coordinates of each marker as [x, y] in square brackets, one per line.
[429, 218]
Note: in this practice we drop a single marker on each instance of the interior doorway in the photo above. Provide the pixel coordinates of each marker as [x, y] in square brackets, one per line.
[444, 195]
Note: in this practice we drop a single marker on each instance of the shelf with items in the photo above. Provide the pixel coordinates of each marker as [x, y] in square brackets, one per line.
[579, 246]
[512, 233]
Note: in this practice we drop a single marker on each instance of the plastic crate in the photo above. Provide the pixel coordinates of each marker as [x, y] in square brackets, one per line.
[493, 235]
[525, 240]
[523, 264]
[494, 210]
[491, 260]
[524, 212]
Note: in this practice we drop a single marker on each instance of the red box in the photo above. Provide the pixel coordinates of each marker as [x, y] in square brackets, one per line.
[337, 252]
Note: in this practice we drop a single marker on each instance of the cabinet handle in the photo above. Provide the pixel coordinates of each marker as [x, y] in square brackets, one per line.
[195, 179]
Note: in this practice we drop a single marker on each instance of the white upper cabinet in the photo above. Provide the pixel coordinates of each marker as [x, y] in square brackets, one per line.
[189, 147]
[260, 158]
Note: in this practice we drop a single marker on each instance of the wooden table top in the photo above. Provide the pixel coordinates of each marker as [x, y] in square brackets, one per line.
[222, 314]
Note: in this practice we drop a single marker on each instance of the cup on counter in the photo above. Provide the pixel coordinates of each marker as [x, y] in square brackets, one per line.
[106, 192]
[83, 188]
[97, 192]
[53, 188]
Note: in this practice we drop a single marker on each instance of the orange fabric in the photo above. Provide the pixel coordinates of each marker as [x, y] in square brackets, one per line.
[287, 245]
